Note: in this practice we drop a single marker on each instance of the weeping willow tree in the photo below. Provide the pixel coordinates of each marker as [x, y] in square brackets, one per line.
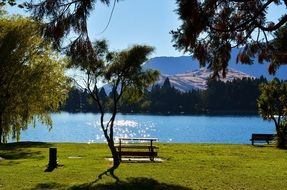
[32, 80]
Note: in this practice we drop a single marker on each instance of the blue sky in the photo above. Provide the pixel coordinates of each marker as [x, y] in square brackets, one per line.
[137, 22]
[143, 22]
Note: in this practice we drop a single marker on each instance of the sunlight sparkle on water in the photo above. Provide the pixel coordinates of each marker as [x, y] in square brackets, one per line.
[124, 128]
[121, 123]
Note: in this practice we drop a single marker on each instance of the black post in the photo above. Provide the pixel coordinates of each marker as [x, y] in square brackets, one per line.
[120, 149]
[152, 151]
[1, 129]
[52, 159]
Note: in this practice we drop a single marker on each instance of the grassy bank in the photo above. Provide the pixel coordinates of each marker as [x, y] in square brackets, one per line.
[186, 166]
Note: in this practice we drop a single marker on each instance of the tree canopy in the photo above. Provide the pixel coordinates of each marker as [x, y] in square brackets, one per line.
[32, 80]
[272, 105]
[211, 28]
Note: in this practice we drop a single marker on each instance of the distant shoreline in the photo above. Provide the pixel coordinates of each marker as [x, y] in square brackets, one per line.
[213, 113]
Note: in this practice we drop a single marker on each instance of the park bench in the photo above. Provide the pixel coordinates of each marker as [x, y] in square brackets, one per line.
[137, 147]
[262, 137]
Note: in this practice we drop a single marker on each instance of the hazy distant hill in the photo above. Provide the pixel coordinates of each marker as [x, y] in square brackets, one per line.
[177, 65]
[197, 79]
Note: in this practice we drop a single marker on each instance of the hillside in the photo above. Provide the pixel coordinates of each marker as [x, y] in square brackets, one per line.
[183, 64]
[197, 79]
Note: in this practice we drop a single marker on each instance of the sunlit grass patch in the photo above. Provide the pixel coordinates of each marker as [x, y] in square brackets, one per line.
[185, 166]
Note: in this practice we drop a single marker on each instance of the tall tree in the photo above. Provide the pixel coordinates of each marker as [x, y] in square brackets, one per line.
[32, 80]
[166, 84]
[272, 105]
[123, 71]
[211, 28]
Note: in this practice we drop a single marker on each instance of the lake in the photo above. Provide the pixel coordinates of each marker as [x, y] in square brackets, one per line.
[85, 128]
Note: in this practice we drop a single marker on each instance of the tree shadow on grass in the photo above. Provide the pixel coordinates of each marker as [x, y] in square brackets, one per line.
[26, 144]
[14, 151]
[130, 184]
[48, 186]
[20, 154]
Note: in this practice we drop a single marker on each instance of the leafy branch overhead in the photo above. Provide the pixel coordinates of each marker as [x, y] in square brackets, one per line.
[10, 2]
[64, 17]
[211, 28]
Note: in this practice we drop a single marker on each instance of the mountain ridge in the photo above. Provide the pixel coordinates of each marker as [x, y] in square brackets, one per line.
[197, 79]
[174, 65]
[185, 73]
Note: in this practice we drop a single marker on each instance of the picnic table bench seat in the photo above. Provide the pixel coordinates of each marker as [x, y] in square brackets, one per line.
[137, 147]
[262, 137]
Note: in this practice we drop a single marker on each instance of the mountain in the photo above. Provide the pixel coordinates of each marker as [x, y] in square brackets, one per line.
[178, 65]
[197, 79]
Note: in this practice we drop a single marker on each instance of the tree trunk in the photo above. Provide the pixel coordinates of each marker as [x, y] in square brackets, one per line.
[282, 137]
[116, 158]
[109, 133]
[116, 161]
[1, 129]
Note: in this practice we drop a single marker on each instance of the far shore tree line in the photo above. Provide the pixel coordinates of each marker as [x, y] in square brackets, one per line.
[238, 96]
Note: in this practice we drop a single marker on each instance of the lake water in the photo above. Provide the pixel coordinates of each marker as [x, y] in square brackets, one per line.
[85, 128]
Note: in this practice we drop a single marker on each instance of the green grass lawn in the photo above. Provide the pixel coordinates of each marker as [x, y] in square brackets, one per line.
[186, 166]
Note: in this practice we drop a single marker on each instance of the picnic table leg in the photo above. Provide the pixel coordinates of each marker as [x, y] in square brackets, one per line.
[151, 151]
[120, 150]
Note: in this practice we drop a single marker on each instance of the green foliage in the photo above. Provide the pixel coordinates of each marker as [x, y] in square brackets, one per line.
[272, 105]
[211, 28]
[32, 80]
[121, 70]
[237, 96]
[273, 99]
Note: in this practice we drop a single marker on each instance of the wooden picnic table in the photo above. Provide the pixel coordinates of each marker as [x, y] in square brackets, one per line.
[137, 147]
[261, 137]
